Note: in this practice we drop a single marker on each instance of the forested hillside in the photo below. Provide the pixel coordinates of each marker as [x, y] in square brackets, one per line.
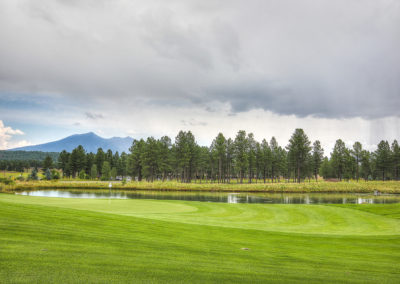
[27, 155]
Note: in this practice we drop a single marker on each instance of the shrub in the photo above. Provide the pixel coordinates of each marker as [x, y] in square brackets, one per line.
[47, 174]
[20, 178]
[55, 174]
[82, 174]
[6, 181]
[33, 175]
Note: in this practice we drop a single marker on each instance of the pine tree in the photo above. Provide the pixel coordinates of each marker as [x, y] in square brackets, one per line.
[366, 169]
[106, 171]
[113, 173]
[317, 156]
[356, 152]
[110, 157]
[90, 161]
[251, 144]
[93, 172]
[34, 174]
[47, 174]
[48, 162]
[186, 153]
[275, 158]
[77, 160]
[150, 159]
[241, 154]
[266, 159]
[135, 158]
[299, 149]
[100, 158]
[164, 146]
[382, 159]
[218, 147]
[326, 169]
[396, 160]
[338, 157]
[63, 160]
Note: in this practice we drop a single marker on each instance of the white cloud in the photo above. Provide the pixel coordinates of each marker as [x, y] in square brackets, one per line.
[205, 125]
[17, 144]
[6, 133]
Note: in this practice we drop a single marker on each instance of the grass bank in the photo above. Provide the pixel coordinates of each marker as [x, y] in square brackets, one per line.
[51, 240]
[321, 186]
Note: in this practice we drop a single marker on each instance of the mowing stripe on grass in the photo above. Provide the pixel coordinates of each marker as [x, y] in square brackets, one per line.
[306, 219]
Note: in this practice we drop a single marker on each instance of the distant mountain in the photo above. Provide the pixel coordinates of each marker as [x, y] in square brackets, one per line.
[90, 141]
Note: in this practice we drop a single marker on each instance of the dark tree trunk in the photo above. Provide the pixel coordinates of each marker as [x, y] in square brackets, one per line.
[298, 173]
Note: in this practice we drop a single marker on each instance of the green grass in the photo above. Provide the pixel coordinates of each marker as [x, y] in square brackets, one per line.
[55, 240]
[12, 174]
[322, 186]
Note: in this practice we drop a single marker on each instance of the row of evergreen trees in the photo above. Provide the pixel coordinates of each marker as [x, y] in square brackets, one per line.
[20, 165]
[105, 165]
[345, 163]
[242, 158]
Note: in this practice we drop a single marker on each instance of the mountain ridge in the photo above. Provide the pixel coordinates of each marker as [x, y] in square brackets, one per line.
[90, 141]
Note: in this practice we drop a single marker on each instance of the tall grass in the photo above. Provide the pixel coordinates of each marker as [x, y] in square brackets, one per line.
[322, 186]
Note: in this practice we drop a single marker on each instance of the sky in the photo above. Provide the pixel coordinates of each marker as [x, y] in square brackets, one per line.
[152, 68]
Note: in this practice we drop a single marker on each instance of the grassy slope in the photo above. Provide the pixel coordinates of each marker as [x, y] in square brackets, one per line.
[317, 219]
[64, 240]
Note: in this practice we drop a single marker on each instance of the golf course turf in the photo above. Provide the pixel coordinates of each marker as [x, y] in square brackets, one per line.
[57, 240]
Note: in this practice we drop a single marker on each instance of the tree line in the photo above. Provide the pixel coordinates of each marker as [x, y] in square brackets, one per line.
[242, 159]
[19, 161]
[26, 155]
[19, 165]
[356, 162]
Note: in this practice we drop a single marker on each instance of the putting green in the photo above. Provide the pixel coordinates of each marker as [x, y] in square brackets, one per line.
[304, 219]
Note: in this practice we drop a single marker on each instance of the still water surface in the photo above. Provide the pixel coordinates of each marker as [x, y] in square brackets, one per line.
[272, 198]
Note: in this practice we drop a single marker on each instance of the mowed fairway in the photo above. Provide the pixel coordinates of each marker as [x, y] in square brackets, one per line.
[91, 240]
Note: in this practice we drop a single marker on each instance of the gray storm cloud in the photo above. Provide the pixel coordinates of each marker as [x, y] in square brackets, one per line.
[322, 58]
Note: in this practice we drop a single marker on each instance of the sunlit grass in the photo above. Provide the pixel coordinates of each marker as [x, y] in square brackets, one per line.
[360, 186]
[321, 186]
[56, 240]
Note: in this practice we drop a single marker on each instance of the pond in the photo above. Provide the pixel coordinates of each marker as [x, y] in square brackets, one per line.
[268, 198]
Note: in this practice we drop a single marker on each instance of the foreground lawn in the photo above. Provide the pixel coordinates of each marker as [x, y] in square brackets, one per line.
[57, 240]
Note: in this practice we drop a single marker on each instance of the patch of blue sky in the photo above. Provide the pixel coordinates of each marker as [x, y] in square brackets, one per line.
[30, 102]
[42, 118]
[40, 133]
